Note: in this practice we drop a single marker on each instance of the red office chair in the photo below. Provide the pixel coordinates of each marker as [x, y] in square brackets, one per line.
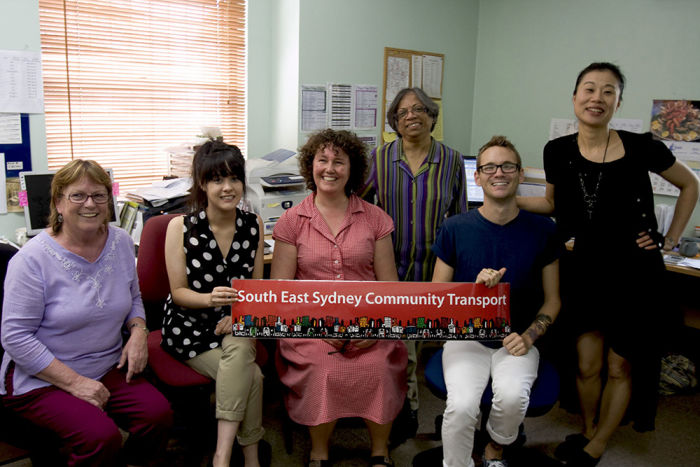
[174, 378]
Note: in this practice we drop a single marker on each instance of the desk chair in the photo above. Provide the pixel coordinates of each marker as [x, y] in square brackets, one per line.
[188, 391]
[543, 395]
[20, 438]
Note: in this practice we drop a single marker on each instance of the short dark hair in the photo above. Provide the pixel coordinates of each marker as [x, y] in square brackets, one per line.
[433, 108]
[500, 141]
[214, 159]
[71, 173]
[341, 139]
[603, 66]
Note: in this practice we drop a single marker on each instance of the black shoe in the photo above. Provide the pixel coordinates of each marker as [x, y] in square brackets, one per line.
[572, 444]
[581, 458]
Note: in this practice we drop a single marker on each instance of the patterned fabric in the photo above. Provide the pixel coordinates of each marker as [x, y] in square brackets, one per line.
[186, 332]
[367, 383]
[59, 305]
[417, 204]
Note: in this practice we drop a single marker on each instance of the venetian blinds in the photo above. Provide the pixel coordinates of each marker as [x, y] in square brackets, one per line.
[124, 80]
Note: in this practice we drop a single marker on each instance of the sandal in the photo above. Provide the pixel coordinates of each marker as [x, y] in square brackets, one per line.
[381, 460]
[571, 445]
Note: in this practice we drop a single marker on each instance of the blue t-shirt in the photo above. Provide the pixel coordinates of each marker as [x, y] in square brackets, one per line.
[524, 246]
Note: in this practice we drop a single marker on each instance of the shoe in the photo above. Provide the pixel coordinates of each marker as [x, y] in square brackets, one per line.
[581, 458]
[381, 460]
[572, 443]
[493, 462]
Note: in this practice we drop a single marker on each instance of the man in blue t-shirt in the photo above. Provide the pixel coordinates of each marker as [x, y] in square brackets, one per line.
[497, 242]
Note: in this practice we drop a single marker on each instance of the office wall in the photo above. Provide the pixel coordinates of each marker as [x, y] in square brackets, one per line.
[273, 75]
[19, 30]
[529, 54]
[342, 41]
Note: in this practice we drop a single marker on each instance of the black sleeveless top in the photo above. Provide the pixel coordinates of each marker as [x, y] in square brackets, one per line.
[190, 332]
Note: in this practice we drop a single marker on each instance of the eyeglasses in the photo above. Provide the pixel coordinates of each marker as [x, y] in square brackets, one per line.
[80, 198]
[506, 168]
[416, 109]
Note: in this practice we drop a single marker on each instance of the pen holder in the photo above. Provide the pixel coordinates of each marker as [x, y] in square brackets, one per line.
[688, 247]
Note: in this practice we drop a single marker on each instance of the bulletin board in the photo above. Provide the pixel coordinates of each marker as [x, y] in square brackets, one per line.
[412, 68]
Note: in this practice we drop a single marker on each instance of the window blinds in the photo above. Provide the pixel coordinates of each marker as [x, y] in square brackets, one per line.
[125, 80]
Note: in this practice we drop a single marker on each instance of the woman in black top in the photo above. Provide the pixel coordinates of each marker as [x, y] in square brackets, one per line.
[599, 190]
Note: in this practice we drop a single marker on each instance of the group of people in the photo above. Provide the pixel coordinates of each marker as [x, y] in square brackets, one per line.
[71, 294]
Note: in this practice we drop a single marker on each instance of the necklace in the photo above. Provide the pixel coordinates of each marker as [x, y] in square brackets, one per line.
[591, 199]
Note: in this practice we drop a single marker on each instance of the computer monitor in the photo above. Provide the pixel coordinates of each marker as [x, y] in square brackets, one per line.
[475, 195]
[37, 185]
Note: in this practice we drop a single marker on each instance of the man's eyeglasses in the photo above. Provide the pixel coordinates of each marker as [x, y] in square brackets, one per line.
[506, 168]
[416, 109]
[80, 198]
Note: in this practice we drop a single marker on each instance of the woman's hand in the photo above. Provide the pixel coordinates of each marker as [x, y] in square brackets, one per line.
[516, 344]
[91, 391]
[223, 296]
[646, 241]
[490, 277]
[224, 326]
[134, 353]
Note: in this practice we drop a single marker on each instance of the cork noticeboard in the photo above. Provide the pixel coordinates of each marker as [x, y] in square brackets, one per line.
[412, 68]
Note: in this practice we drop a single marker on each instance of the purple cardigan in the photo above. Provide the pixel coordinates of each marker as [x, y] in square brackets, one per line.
[58, 305]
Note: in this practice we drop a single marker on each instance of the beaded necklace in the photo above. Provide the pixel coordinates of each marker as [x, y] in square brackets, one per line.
[591, 199]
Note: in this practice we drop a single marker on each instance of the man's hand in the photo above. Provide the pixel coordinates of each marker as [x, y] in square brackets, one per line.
[490, 277]
[516, 344]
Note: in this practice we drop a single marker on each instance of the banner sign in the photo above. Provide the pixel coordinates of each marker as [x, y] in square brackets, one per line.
[370, 310]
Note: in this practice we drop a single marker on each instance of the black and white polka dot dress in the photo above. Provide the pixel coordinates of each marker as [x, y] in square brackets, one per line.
[190, 332]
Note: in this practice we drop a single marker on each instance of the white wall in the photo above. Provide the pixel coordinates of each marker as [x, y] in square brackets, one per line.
[529, 54]
[343, 42]
[19, 30]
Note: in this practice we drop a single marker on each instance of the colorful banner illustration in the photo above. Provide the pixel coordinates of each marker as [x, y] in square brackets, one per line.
[370, 310]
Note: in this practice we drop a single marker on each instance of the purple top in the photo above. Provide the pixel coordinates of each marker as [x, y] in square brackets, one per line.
[59, 305]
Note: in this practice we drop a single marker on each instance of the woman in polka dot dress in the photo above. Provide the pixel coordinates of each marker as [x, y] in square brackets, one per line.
[204, 250]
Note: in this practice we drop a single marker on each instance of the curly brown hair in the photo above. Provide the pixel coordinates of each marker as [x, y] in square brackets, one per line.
[340, 139]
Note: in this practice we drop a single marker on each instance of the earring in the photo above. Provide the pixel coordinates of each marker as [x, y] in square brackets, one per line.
[60, 218]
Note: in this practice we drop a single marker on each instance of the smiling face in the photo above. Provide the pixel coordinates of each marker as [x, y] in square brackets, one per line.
[498, 185]
[223, 192]
[597, 98]
[331, 170]
[87, 216]
[414, 125]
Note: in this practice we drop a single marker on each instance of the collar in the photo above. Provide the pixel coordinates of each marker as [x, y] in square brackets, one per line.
[433, 153]
[307, 208]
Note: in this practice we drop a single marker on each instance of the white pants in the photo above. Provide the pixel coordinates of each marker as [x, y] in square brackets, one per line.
[467, 367]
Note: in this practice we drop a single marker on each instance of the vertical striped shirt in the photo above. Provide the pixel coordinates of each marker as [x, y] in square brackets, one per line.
[417, 204]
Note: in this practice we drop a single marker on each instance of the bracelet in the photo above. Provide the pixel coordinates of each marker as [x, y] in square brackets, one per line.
[141, 326]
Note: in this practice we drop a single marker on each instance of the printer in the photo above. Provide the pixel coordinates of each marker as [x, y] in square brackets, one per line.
[274, 185]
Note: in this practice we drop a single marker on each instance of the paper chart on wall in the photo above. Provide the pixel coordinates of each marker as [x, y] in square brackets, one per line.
[341, 106]
[366, 106]
[314, 110]
[397, 76]
[432, 76]
[21, 85]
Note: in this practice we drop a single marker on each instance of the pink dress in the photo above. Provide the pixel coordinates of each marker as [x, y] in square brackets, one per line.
[368, 383]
